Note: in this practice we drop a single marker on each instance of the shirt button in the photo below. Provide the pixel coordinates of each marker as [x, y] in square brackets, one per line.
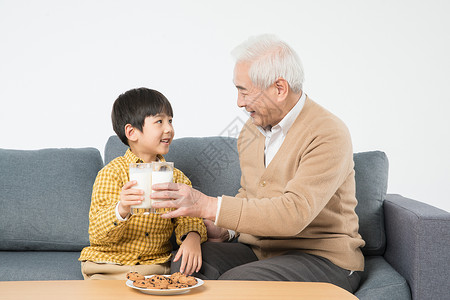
[139, 257]
[115, 223]
[262, 183]
[146, 234]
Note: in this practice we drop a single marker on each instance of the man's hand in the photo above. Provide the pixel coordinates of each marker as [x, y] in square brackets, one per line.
[187, 201]
[215, 233]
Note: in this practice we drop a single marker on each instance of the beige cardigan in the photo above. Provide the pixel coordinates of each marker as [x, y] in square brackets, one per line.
[305, 198]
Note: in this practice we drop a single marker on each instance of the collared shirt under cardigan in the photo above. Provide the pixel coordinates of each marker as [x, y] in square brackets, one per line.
[140, 239]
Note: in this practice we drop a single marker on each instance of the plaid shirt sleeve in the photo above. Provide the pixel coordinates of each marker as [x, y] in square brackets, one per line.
[184, 225]
[104, 225]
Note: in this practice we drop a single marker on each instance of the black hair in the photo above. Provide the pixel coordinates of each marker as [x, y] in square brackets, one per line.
[133, 106]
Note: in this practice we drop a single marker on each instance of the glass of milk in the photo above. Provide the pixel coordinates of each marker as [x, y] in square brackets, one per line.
[162, 172]
[142, 173]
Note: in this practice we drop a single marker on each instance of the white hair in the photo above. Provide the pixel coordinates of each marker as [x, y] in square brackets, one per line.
[270, 59]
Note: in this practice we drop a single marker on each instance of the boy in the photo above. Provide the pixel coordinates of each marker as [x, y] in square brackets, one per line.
[121, 242]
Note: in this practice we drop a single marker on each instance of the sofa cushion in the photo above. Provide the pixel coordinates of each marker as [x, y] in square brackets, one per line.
[40, 265]
[45, 198]
[380, 281]
[211, 163]
[371, 175]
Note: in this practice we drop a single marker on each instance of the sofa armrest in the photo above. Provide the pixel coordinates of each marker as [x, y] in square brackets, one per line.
[417, 246]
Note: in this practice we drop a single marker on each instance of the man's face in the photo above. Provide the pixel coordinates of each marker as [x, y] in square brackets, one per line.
[261, 104]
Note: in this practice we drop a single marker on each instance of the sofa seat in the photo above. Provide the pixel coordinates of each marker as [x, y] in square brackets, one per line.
[40, 265]
[381, 281]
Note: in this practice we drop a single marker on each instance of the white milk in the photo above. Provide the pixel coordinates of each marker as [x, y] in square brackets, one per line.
[161, 177]
[144, 182]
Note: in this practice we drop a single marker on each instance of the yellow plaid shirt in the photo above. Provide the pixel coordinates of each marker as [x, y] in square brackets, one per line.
[141, 239]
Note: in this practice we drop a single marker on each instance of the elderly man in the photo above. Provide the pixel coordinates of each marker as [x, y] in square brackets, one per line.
[295, 212]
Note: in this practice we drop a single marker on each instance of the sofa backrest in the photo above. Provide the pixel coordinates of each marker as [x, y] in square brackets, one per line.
[45, 198]
[212, 164]
[371, 176]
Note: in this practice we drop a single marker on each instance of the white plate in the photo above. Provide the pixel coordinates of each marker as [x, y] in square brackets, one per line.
[164, 291]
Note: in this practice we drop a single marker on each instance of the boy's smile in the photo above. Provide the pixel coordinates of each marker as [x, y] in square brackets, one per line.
[166, 141]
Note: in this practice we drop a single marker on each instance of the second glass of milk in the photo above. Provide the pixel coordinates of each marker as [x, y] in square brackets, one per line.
[162, 172]
[142, 173]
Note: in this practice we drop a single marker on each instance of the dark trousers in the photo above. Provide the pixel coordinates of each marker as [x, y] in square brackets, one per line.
[236, 261]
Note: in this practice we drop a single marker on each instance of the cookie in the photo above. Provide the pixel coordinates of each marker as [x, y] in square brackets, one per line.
[161, 278]
[185, 279]
[158, 279]
[133, 276]
[162, 285]
[151, 285]
[182, 279]
[191, 281]
[175, 276]
[140, 284]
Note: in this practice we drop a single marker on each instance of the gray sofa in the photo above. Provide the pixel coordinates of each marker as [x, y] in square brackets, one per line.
[45, 198]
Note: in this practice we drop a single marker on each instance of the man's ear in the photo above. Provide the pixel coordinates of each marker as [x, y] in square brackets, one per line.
[282, 87]
[131, 133]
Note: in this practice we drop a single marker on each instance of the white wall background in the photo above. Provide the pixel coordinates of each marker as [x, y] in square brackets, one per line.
[382, 66]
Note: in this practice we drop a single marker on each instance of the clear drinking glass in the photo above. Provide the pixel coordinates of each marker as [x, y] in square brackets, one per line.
[162, 172]
[142, 173]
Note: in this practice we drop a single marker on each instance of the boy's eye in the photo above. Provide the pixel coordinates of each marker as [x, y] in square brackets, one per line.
[170, 121]
[159, 121]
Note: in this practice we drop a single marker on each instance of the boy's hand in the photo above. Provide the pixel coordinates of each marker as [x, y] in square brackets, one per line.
[191, 254]
[129, 197]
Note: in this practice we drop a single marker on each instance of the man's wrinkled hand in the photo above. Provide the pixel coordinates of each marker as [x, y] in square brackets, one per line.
[186, 200]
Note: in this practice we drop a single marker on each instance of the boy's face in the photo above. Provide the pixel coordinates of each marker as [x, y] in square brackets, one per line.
[156, 136]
